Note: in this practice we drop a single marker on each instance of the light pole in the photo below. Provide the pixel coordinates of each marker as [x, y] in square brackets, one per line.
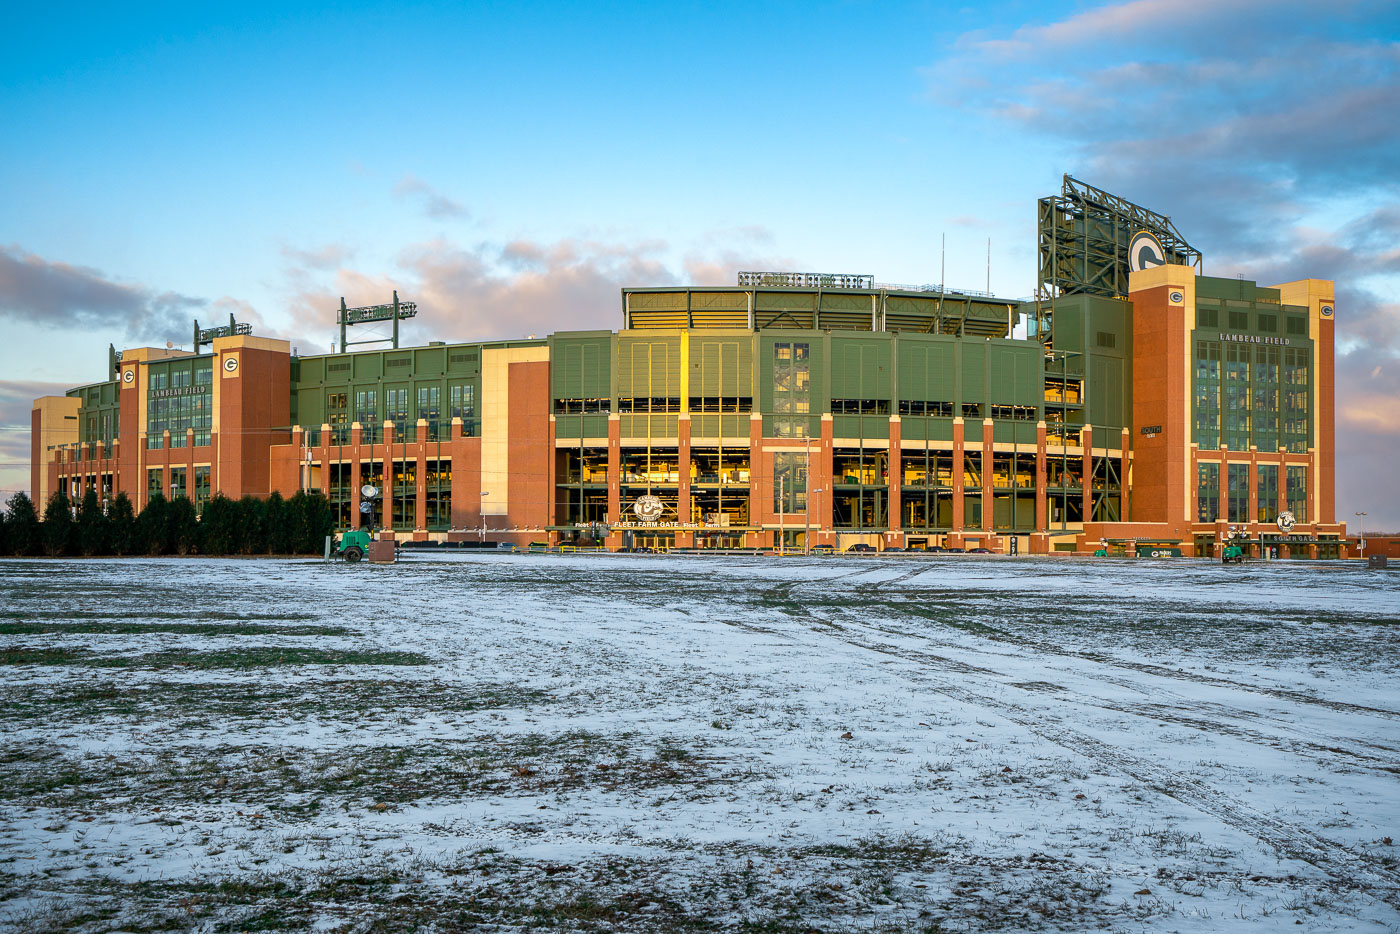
[811, 496]
[1361, 533]
[481, 532]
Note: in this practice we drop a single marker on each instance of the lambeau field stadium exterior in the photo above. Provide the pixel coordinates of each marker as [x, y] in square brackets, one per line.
[1149, 408]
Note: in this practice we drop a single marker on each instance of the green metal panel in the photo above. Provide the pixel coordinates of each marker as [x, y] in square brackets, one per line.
[368, 365]
[939, 429]
[972, 371]
[913, 369]
[770, 301]
[649, 367]
[639, 427]
[874, 427]
[429, 362]
[721, 366]
[719, 300]
[464, 360]
[1014, 432]
[657, 301]
[1215, 287]
[860, 368]
[1018, 369]
[581, 367]
[1105, 404]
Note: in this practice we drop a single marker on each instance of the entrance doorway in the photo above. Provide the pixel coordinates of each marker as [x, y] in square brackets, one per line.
[656, 541]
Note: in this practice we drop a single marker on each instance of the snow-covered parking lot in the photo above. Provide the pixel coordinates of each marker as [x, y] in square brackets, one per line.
[663, 743]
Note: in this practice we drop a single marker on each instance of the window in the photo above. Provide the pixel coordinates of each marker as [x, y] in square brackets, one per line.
[1267, 493]
[1237, 493]
[437, 494]
[972, 410]
[338, 417]
[645, 405]
[789, 481]
[792, 389]
[367, 407]
[1207, 492]
[1265, 389]
[177, 482]
[1296, 492]
[1236, 398]
[462, 404]
[1020, 413]
[1239, 320]
[201, 488]
[155, 482]
[429, 402]
[860, 407]
[934, 409]
[587, 406]
[1295, 413]
[396, 410]
[860, 478]
[1207, 317]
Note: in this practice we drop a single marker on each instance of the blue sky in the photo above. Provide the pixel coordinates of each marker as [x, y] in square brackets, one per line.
[511, 166]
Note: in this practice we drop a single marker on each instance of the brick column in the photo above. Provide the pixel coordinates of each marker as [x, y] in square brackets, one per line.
[189, 464]
[895, 501]
[386, 492]
[614, 477]
[1123, 491]
[987, 501]
[1040, 543]
[420, 505]
[959, 444]
[1087, 493]
[758, 474]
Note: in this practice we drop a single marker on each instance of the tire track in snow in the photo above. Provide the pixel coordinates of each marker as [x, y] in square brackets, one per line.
[1345, 867]
[1188, 711]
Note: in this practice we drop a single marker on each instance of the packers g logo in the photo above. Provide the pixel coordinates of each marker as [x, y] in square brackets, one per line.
[231, 364]
[1326, 310]
[1145, 251]
[129, 375]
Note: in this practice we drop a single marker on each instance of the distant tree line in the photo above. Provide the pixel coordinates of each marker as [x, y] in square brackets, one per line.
[298, 524]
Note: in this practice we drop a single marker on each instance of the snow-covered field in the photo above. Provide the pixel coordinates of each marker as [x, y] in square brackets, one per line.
[482, 742]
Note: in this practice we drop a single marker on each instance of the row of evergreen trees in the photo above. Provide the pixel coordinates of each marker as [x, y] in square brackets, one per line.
[248, 526]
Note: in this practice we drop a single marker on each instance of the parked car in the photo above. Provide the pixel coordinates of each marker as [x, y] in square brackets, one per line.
[936, 549]
[822, 550]
[980, 551]
[861, 548]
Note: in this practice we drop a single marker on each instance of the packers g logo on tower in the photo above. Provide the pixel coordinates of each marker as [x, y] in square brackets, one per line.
[1145, 251]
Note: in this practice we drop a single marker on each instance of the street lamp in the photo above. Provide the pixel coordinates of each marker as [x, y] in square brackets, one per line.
[481, 532]
[1361, 532]
[807, 534]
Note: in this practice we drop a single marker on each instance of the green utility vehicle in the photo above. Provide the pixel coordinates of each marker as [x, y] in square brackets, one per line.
[353, 545]
[1233, 554]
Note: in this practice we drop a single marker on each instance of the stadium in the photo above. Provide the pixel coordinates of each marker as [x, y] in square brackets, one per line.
[1132, 404]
